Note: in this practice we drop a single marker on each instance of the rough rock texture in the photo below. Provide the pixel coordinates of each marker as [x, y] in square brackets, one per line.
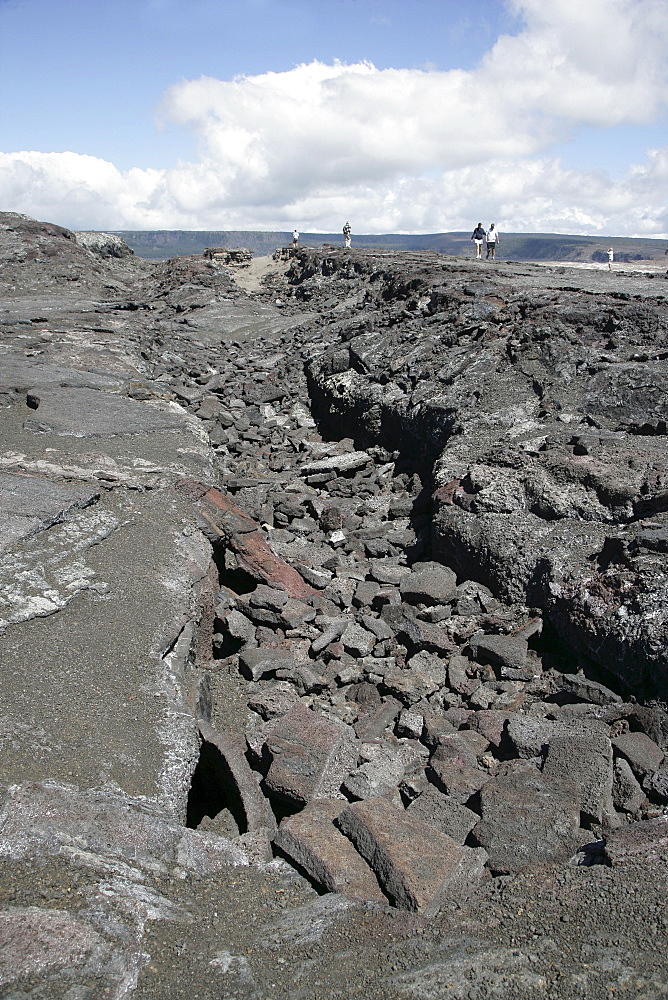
[545, 417]
[343, 553]
[416, 866]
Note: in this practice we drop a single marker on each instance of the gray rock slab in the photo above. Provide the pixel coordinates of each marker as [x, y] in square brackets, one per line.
[463, 747]
[444, 814]
[644, 842]
[336, 463]
[21, 373]
[29, 504]
[357, 640]
[502, 650]
[264, 661]
[424, 674]
[417, 866]
[310, 755]
[273, 702]
[45, 818]
[91, 413]
[531, 735]
[642, 753]
[528, 820]
[307, 924]
[627, 794]
[587, 760]
[38, 941]
[372, 726]
[313, 841]
[459, 781]
[101, 686]
[591, 691]
[656, 784]
[378, 775]
[429, 583]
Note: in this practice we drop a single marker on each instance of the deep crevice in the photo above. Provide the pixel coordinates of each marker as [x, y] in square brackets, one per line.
[213, 791]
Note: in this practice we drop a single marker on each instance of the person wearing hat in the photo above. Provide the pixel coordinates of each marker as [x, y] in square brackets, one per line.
[611, 257]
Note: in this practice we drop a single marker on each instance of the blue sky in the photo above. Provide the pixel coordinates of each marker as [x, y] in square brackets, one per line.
[410, 115]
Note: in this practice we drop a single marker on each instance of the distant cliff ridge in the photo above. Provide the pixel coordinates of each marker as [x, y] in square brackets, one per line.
[162, 244]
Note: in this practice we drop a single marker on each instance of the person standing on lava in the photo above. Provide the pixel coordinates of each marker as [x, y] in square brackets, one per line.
[478, 238]
[492, 238]
[347, 233]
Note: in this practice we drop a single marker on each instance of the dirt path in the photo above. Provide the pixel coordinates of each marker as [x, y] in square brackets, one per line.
[250, 278]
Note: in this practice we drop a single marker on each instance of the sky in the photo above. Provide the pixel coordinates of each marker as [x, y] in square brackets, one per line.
[407, 116]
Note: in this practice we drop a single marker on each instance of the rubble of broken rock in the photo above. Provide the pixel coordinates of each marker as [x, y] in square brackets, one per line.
[334, 623]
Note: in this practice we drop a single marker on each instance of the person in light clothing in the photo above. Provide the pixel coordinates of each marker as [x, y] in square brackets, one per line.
[478, 238]
[347, 233]
[611, 257]
[492, 238]
[295, 238]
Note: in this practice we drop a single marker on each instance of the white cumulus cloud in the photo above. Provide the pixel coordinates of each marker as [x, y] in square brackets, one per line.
[397, 149]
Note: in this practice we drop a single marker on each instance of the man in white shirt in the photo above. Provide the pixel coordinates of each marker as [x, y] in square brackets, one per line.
[492, 238]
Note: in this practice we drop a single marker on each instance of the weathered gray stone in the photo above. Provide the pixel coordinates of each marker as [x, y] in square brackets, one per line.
[530, 735]
[239, 627]
[491, 723]
[336, 463]
[642, 753]
[380, 773]
[273, 702]
[29, 504]
[91, 413]
[586, 760]
[295, 613]
[357, 640]
[645, 842]
[627, 794]
[459, 675]
[591, 691]
[257, 810]
[268, 597]
[459, 781]
[444, 814]
[310, 756]
[505, 651]
[383, 718]
[424, 674]
[43, 818]
[418, 867]
[264, 661]
[656, 784]
[429, 583]
[464, 747]
[419, 635]
[527, 820]
[410, 724]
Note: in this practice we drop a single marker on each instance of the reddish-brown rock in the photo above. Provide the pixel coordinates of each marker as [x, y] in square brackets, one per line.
[417, 866]
[243, 535]
[312, 840]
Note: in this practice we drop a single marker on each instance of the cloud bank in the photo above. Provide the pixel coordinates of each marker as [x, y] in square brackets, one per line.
[397, 149]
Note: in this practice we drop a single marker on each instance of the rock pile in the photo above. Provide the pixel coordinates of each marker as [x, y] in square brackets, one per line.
[380, 675]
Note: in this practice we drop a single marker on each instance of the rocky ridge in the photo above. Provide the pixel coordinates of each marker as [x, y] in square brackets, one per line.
[322, 585]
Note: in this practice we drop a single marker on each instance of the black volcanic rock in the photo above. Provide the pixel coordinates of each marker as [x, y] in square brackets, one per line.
[386, 528]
